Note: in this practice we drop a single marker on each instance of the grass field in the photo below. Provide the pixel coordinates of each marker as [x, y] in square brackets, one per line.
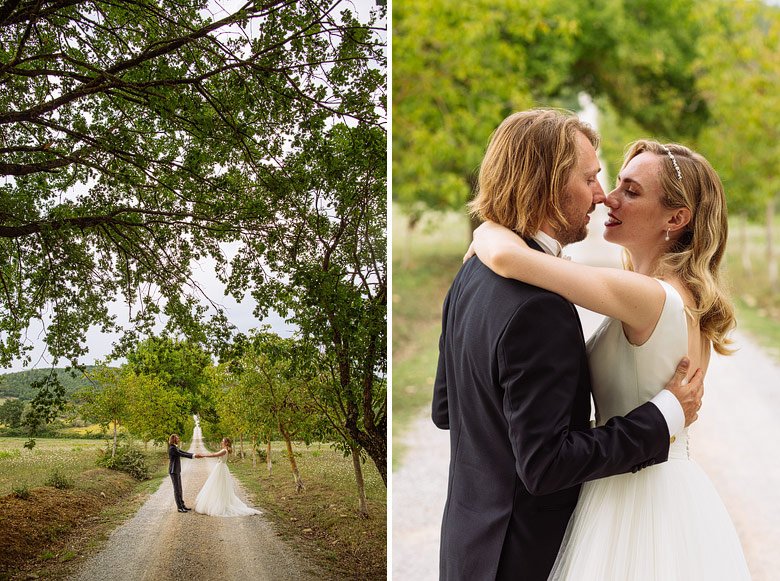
[758, 305]
[71, 457]
[426, 260]
[47, 532]
[323, 521]
[424, 263]
[19, 466]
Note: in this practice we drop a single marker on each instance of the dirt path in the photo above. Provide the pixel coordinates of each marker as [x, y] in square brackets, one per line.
[735, 441]
[161, 544]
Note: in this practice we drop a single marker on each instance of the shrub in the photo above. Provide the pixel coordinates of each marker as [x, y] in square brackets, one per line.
[128, 459]
[21, 491]
[59, 481]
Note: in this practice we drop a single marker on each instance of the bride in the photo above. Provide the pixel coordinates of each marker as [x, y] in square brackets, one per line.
[668, 211]
[218, 497]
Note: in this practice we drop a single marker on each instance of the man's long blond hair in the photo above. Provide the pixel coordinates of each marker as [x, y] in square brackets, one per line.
[526, 167]
[696, 255]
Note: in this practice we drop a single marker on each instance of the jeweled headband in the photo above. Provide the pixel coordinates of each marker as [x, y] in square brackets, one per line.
[674, 162]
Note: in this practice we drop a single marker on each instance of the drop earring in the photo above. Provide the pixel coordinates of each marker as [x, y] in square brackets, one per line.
[667, 235]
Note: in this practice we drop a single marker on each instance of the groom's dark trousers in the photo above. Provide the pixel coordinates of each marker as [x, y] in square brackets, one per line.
[174, 469]
[513, 388]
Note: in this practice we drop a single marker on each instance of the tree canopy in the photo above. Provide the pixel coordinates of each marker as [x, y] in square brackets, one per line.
[739, 59]
[137, 137]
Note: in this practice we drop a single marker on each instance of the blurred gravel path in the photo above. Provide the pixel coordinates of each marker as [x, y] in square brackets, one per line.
[161, 544]
[735, 441]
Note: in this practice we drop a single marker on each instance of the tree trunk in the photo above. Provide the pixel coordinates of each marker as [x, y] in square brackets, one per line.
[744, 246]
[268, 457]
[770, 254]
[241, 445]
[254, 453]
[299, 487]
[113, 450]
[361, 486]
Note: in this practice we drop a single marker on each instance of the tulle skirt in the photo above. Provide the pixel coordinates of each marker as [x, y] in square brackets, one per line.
[218, 498]
[664, 523]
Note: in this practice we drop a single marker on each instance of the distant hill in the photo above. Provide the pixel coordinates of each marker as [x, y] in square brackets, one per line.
[18, 384]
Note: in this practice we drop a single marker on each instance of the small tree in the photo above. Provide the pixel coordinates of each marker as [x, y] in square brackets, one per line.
[180, 365]
[333, 410]
[105, 401]
[236, 409]
[278, 391]
[11, 413]
[156, 410]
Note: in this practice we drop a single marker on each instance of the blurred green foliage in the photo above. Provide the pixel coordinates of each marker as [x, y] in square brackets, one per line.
[703, 73]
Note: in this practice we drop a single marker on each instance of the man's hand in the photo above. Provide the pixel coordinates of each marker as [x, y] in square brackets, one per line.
[196, 455]
[688, 395]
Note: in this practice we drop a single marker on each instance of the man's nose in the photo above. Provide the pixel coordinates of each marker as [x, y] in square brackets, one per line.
[598, 195]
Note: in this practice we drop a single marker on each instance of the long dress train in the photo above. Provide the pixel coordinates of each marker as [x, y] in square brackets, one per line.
[218, 497]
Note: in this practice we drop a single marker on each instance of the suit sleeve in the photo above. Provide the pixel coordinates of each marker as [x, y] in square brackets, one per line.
[440, 409]
[183, 453]
[539, 371]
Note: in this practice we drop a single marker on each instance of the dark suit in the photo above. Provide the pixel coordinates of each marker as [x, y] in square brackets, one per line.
[513, 388]
[174, 469]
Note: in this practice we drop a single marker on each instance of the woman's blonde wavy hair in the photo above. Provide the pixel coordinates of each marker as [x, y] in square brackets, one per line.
[528, 162]
[696, 255]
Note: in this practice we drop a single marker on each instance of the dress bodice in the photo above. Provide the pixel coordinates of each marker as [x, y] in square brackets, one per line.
[625, 376]
[665, 521]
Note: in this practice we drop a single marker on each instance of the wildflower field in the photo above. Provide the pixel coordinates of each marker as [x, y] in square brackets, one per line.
[20, 466]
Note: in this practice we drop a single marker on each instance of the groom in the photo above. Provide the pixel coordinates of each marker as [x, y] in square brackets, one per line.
[513, 385]
[174, 469]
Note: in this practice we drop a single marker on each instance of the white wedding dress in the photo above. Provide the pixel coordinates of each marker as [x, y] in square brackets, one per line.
[218, 497]
[665, 522]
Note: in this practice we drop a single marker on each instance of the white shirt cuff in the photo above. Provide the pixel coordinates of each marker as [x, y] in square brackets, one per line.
[671, 409]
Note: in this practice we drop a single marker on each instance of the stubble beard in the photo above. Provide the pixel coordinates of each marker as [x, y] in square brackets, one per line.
[574, 233]
[577, 229]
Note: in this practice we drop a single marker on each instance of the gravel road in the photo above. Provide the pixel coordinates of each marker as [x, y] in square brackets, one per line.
[161, 544]
[734, 440]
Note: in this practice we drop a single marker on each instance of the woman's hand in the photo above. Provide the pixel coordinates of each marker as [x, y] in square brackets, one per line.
[492, 243]
[470, 252]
